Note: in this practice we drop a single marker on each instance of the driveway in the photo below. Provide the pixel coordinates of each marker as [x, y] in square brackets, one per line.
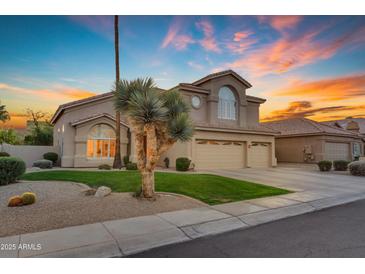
[300, 178]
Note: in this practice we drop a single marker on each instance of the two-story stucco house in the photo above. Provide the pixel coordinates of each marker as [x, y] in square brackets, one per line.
[227, 129]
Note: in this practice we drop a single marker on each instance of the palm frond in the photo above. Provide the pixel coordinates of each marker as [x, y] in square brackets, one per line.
[175, 103]
[181, 127]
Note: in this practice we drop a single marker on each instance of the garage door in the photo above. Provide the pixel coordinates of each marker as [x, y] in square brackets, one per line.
[219, 154]
[337, 151]
[260, 155]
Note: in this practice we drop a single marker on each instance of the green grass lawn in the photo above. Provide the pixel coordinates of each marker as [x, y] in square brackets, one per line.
[210, 189]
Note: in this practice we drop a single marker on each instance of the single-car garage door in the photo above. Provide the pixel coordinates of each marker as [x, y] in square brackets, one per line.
[219, 154]
[260, 155]
[337, 151]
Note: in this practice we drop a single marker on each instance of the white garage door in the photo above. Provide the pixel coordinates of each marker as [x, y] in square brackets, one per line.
[260, 155]
[337, 151]
[219, 154]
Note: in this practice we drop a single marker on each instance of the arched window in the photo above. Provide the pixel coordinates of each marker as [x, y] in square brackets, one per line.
[101, 142]
[226, 104]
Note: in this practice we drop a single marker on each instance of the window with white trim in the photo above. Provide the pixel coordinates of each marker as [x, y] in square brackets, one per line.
[101, 142]
[226, 104]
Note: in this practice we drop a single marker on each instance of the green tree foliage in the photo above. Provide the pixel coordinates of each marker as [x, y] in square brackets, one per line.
[9, 136]
[41, 130]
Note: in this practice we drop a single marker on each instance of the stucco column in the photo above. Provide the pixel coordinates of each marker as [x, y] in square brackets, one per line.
[242, 117]
[212, 102]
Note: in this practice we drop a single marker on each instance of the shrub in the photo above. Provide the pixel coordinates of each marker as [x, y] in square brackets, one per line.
[182, 164]
[52, 156]
[126, 160]
[167, 162]
[11, 168]
[131, 166]
[43, 164]
[4, 154]
[357, 168]
[15, 201]
[28, 198]
[105, 167]
[340, 165]
[325, 165]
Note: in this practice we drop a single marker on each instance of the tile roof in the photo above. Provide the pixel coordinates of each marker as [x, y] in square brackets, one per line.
[343, 123]
[260, 128]
[303, 126]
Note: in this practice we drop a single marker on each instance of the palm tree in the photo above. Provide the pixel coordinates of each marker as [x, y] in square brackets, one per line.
[157, 118]
[117, 158]
[4, 114]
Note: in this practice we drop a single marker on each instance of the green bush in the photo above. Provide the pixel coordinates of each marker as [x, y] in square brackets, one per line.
[340, 165]
[357, 168]
[325, 165]
[126, 160]
[131, 166]
[182, 164]
[43, 164]
[4, 154]
[167, 162]
[11, 168]
[52, 156]
[105, 167]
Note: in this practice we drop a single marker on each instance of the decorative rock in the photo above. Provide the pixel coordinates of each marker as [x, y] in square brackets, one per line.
[15, 201]
[89, 192]
[103, 191]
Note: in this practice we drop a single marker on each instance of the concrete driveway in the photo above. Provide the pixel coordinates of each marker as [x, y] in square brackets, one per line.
[300, 178]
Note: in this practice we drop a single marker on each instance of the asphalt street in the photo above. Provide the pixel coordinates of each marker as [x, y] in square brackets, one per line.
[334, 232]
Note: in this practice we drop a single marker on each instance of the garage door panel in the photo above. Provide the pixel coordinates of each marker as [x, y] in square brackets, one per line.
[260, 155]
[219, 154]
[337, 151]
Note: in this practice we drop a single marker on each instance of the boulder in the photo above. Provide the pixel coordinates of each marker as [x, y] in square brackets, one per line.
[103, 191]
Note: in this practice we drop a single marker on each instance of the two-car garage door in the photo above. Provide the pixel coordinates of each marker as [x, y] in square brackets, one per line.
[212, 154]
[337, 151]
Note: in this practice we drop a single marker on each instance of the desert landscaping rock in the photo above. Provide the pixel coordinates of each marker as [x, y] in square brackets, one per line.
[103, 191]
[63, 204]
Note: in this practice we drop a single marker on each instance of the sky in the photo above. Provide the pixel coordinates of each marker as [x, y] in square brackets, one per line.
[305, 66]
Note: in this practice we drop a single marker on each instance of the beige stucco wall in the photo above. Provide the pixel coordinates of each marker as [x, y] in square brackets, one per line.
[70, 141]
[290, 149]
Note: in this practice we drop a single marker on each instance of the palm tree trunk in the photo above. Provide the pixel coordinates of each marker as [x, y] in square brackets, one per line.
[117, 158]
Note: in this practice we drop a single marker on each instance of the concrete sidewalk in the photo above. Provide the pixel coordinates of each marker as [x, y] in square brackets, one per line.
[128, 236]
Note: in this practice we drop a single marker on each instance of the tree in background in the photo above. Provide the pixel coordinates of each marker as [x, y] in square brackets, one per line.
[4, 114]
[41, 130]
[9, 136]
[157, 118]
[117, 158]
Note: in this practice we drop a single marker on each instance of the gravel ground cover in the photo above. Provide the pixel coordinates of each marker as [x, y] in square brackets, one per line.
[62, 204]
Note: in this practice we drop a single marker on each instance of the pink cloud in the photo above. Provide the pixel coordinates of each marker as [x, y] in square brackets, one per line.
[175, 39]
[293, 51]
[208, 42]
[241, 42]
[281, 23]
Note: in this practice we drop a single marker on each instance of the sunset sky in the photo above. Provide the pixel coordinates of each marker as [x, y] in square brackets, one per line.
[305, 66]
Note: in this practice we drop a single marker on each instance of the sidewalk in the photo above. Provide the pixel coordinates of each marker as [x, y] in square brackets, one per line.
[128, 236]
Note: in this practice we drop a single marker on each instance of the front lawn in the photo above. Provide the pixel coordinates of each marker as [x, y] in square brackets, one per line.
[210, 189]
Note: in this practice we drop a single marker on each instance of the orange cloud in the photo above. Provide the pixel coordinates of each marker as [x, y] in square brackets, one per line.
[17, 121]
[208, 42]
[332, 89]
[302, 109]
[58, 92]
[290, 52]
[281, 23]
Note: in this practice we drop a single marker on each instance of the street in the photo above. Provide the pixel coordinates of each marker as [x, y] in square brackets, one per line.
[333, 232]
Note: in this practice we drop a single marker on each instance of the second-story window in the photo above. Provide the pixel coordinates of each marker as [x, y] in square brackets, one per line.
[226, 104]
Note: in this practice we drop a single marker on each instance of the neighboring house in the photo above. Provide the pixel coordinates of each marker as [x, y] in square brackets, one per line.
[227, 129]
[304, 140]
[356, 125]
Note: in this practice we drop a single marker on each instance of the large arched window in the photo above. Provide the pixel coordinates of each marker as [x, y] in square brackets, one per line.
[226, 104]
[101, 142]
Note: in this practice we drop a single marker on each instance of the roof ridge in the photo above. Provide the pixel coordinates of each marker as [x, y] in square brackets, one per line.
[313, 123]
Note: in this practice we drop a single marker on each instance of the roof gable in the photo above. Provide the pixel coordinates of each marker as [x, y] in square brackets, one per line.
[222, 74]
[94, 117]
